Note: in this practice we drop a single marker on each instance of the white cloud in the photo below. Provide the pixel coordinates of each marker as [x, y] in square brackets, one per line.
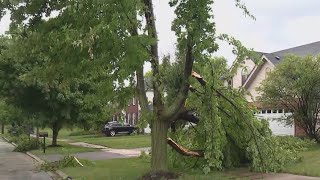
[4, 24]
[164, 17]
[304, 30]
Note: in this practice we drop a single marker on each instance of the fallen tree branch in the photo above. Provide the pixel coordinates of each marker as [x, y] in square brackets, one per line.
[184, 151]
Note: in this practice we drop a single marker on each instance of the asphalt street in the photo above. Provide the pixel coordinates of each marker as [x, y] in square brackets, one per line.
[18, 166]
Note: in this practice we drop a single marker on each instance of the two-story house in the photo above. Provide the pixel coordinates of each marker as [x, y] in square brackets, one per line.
[250, 76]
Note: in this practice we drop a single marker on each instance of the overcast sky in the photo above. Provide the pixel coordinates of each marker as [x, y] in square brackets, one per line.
[280, 24]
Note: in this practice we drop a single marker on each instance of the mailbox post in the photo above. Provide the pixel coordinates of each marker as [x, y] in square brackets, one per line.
[44, 135]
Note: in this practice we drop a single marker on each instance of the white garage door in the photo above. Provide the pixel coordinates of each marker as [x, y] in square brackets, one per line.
[276, 127]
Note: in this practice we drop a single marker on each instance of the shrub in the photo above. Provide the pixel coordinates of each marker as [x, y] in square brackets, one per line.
[291, 142]
[19, 130]
[284, 150]
[25, 144]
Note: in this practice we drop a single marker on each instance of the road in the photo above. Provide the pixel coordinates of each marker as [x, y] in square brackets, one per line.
[18, 166]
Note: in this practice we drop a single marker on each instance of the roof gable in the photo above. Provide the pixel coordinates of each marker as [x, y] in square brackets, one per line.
[255, 71]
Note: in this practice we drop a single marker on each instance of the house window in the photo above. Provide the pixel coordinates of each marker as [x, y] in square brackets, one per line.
[133, 118]
[274, 111]
[129, 117]
[269, 111]
[244, 74]
[280, 110]
[230, 82]
[263, 111]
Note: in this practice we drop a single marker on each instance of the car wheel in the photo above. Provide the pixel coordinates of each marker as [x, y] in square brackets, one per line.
[112, 133]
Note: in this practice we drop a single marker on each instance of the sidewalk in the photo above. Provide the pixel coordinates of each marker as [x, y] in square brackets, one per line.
[124, 152]
[244, 173]
[104, 153]
[15, 165]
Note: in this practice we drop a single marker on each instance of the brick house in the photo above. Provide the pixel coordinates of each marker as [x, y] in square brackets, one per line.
[132, 112]
[250, 76]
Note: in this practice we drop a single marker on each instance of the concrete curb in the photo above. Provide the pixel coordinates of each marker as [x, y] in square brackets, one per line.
[14, 144]
[62, 174]
[40, 161]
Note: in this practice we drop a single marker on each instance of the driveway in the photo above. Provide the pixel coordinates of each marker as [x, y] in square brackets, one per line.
[18, 166]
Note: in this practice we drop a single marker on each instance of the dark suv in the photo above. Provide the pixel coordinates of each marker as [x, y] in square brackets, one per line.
[114, 127]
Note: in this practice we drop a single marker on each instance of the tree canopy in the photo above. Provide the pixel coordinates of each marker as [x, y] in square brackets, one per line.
[47, 71]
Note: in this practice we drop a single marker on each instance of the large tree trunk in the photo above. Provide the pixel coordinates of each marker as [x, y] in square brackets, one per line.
[2, 127]
[159, 131]
[160, 125]
[55, 131]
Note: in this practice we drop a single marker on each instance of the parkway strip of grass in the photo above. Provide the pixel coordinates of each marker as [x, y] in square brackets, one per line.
[127, 169]
[309, 165]
[63, 148]
[118, 142]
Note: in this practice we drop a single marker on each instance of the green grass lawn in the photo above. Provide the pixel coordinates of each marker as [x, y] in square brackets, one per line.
[310, 164]
[63, 149]
[121, 142]
[64, 133]
[127, 169]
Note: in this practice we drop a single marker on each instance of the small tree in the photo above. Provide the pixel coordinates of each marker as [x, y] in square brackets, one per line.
[295, 85]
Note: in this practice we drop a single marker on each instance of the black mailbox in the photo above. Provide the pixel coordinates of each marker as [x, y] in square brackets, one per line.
[43, 134]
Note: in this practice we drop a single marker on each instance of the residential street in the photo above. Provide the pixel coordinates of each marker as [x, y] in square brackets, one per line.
[18, 166]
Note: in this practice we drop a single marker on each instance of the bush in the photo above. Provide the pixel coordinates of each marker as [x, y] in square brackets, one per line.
[291, 142]
[20, 130]
[281, 150]
[24, 144]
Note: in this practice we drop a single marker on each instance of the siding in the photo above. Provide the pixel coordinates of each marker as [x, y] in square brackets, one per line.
[237, 79]
[252, 89]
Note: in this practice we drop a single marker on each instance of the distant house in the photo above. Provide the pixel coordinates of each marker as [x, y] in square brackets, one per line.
[250, 76]
[132, 112]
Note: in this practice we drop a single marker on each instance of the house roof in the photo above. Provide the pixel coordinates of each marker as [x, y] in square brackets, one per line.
[276, 57]
[304, 50]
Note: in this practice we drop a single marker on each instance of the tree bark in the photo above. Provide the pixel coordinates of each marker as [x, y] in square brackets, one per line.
[55, 132]
[159, 126]
[2, 127]
[159, 161]
[163, 116]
